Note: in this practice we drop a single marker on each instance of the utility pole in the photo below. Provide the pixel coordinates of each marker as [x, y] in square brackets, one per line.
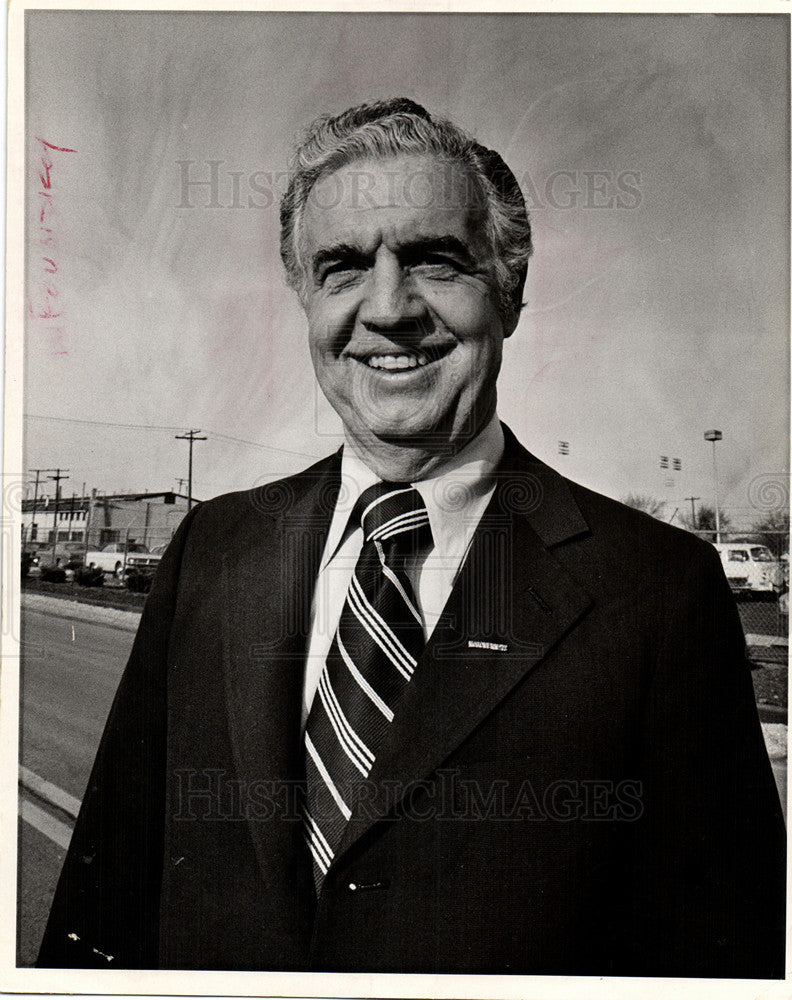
[693, 509]
[181, 483]
[190, 436]
[35, 499]
[88, 517]
[59, 474]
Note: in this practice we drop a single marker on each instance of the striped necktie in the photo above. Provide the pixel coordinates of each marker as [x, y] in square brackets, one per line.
[371, 660]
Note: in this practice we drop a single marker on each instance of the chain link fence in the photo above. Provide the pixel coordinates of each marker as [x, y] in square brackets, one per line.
[756, 563]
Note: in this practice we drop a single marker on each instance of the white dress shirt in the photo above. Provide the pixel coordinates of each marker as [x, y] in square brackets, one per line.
[455, 496]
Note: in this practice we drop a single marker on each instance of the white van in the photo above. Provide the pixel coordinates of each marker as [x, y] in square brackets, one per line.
[751, 568]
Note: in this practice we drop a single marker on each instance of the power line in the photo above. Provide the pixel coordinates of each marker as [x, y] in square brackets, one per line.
[169, 427]
[266, 447]
[102, 423]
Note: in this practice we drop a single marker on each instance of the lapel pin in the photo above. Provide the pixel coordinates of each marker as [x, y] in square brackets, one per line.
[501, 647]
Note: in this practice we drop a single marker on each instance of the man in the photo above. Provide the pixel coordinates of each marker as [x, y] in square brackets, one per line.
[426, 706]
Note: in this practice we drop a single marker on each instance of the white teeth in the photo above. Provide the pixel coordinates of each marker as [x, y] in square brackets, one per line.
[397, 362]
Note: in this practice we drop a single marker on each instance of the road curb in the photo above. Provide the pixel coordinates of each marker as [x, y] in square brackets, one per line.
[48, 792]
[772, 713]
[756, 639]
[775, 737]
[75, 611]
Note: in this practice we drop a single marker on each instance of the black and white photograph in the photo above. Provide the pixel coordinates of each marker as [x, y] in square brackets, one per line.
[396, 500]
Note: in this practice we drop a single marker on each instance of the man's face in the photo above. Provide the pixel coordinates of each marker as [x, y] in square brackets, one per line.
[404, 329]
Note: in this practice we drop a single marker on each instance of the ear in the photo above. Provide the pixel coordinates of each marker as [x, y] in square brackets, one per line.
[510, 322]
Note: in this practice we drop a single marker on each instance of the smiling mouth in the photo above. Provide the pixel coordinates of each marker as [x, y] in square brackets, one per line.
[404, 361]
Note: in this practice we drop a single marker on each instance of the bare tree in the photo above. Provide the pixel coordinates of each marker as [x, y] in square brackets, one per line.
[773, 531]
[705, 521]
[642, 501]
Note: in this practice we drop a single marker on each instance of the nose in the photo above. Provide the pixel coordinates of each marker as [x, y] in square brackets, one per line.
[391, 302]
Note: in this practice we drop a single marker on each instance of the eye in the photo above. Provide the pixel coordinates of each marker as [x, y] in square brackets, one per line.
[438, 266]
[340, 273]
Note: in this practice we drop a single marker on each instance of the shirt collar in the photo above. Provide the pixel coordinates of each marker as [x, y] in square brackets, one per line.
[455, 494]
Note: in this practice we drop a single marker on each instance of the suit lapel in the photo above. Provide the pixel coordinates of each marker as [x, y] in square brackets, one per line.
[512, 602]
[268, 581]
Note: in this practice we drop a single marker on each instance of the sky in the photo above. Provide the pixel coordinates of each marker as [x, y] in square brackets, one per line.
[653, 153]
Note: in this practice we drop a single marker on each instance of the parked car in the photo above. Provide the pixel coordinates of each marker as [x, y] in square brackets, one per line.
[68, 555]
[120, 559]
[71, 554]
[751, 569]
[31, 562]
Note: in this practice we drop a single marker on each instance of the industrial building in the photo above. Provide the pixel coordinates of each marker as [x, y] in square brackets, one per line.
[148, 519]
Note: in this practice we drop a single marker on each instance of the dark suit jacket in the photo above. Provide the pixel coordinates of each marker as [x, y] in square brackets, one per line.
[584, 790]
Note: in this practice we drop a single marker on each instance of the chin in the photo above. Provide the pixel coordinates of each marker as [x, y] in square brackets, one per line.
[424, 440]
[399, 433]
[390, 419]
[391, 428]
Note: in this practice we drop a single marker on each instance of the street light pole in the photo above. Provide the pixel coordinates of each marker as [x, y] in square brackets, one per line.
[715, 436]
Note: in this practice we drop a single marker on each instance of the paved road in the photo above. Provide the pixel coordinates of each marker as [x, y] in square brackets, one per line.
[70, 674]
[40, 861]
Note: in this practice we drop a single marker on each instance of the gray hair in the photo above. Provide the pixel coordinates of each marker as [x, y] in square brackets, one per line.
[400, 126]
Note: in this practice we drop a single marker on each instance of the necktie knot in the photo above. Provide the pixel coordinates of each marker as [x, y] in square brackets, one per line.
[392, 512]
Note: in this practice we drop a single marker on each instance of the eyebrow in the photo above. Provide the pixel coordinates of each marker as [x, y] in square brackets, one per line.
[441, 244]
[338, 251]
[408, 251]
